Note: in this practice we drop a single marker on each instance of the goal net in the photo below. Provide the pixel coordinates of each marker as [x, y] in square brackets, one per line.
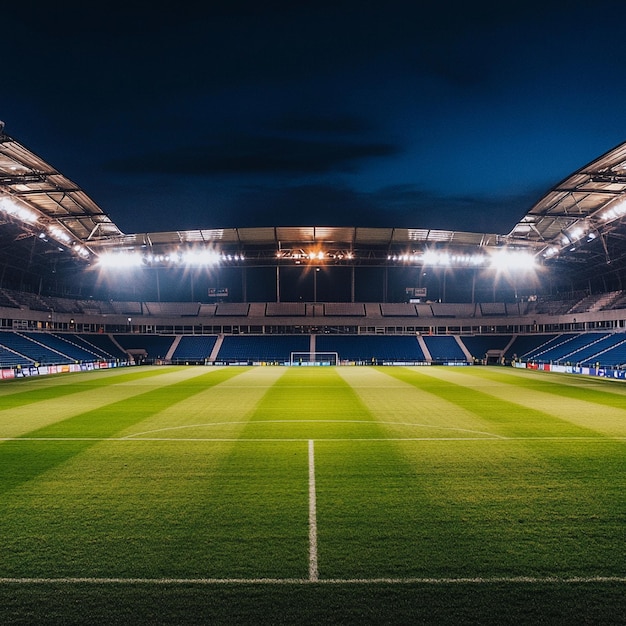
[314, 358]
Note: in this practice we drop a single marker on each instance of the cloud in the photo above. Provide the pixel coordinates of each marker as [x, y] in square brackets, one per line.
[248, 154]
[485, 213]
[319, 124]
[175, 205]
[402, 206]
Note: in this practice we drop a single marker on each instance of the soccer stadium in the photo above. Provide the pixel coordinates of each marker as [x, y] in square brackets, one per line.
[312, 424]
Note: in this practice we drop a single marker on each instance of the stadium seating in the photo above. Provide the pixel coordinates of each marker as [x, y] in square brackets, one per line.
[8, 358]
[99, 344]
[593, 348]
[543, 348]
[63, 346]
[235, 309]
[348, 309]
[424, 310]
[194, 348]
[444, 349]
[186, 309]
[451, 309]
[285, 309]
[371, 348]
[8, 300]
[399, 309]
[480, 345]
[156, 347]
[492, 308]
[32, 349]
[562, 346]
[590, 347]
[614, 355]
[523, 346]
[266, 348]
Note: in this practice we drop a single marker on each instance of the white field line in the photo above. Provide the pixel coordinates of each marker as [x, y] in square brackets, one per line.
[317, 421]
[313, 571]
[135, 439]
[477, 580]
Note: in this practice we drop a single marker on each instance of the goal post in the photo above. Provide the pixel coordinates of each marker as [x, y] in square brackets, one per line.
[313, 358]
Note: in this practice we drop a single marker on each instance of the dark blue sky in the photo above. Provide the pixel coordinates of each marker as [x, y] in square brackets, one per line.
[330, 113]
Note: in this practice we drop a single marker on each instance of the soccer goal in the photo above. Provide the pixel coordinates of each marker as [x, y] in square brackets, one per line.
[314, 358]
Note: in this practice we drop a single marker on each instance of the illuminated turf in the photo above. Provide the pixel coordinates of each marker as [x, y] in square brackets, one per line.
[377, 494]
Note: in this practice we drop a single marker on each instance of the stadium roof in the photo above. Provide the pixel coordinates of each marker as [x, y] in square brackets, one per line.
[581, 220]
[46, 219]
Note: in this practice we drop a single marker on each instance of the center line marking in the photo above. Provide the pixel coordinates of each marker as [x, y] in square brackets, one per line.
[313, 573]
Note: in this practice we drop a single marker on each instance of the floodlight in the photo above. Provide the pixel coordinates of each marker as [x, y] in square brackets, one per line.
[201, 257]
[59, 234]
[10, 207]
[550, 252]
[513, 260]
[576, 233]
[120, 260]
[437, 258]
[615, 211]
[80, 250]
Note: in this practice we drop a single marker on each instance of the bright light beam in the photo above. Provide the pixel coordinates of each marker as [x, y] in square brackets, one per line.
[513, 261]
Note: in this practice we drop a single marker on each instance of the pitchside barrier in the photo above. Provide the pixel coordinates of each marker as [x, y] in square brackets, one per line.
[602, 372]
[44, 370]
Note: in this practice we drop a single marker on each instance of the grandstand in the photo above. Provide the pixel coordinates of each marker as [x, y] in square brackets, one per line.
[69, 296]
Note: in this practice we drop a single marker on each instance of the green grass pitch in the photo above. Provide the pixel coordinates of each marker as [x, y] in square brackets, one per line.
[276, 495]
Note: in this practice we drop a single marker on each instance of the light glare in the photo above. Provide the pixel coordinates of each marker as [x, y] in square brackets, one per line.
[513, 260]
[120, 260]
[8, 206]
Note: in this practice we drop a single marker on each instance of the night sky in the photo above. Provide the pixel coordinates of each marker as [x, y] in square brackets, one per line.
[336, 113]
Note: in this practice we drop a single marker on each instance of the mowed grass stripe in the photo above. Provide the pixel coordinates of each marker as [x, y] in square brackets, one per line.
[259, 505]
[520, 508]
[477, 506]
[23, 391]
[136, 507]
[123, 509]
[71, 401]
[311, 403]
[316, 404]
[255, 513]
[117, 415]
[22, 461]
[593, 403]
[456, 603]
[506, 417]
[365, 489]
[605, 391]
[220, 412]
[409, 411]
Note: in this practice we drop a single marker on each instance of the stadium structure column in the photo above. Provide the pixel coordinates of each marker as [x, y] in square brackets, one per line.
[352, 282]
[385, 283]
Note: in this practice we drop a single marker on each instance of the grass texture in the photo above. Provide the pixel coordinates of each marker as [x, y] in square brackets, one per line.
[273, 495]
